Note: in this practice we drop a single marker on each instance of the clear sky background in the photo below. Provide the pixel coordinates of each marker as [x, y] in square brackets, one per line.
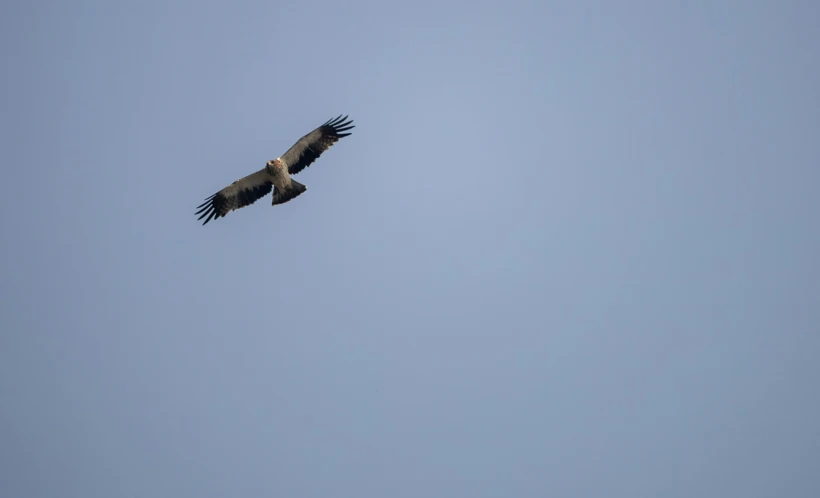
[570, 250]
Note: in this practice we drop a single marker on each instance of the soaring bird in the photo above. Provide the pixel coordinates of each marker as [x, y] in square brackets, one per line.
[276, 173]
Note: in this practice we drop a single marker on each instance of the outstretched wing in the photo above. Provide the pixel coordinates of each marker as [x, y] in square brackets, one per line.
[311, 146]
[238, 194]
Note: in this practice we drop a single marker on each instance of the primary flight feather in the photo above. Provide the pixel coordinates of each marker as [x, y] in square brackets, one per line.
[276, 173]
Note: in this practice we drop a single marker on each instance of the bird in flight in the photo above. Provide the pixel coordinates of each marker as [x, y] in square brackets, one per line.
[276, 173]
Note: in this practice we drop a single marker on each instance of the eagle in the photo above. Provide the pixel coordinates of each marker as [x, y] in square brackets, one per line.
[276, 173]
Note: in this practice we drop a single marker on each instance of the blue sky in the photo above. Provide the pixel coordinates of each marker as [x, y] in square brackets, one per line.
[569, 250]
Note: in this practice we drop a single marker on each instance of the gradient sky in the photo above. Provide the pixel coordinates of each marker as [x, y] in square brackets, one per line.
[570, 250]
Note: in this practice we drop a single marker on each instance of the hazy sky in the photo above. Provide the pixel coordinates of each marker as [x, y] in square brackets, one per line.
[570, 250]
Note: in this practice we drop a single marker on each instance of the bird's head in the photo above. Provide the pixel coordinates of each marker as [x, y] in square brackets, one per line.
[275, 163]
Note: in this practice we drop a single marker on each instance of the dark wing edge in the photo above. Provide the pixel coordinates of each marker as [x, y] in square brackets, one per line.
[312, 145]
[238, 194]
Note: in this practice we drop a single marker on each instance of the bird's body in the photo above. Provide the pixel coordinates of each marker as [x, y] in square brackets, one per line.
[276, 174]
[282, 182]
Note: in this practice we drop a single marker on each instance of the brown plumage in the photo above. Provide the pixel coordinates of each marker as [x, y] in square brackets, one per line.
[276, 173]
